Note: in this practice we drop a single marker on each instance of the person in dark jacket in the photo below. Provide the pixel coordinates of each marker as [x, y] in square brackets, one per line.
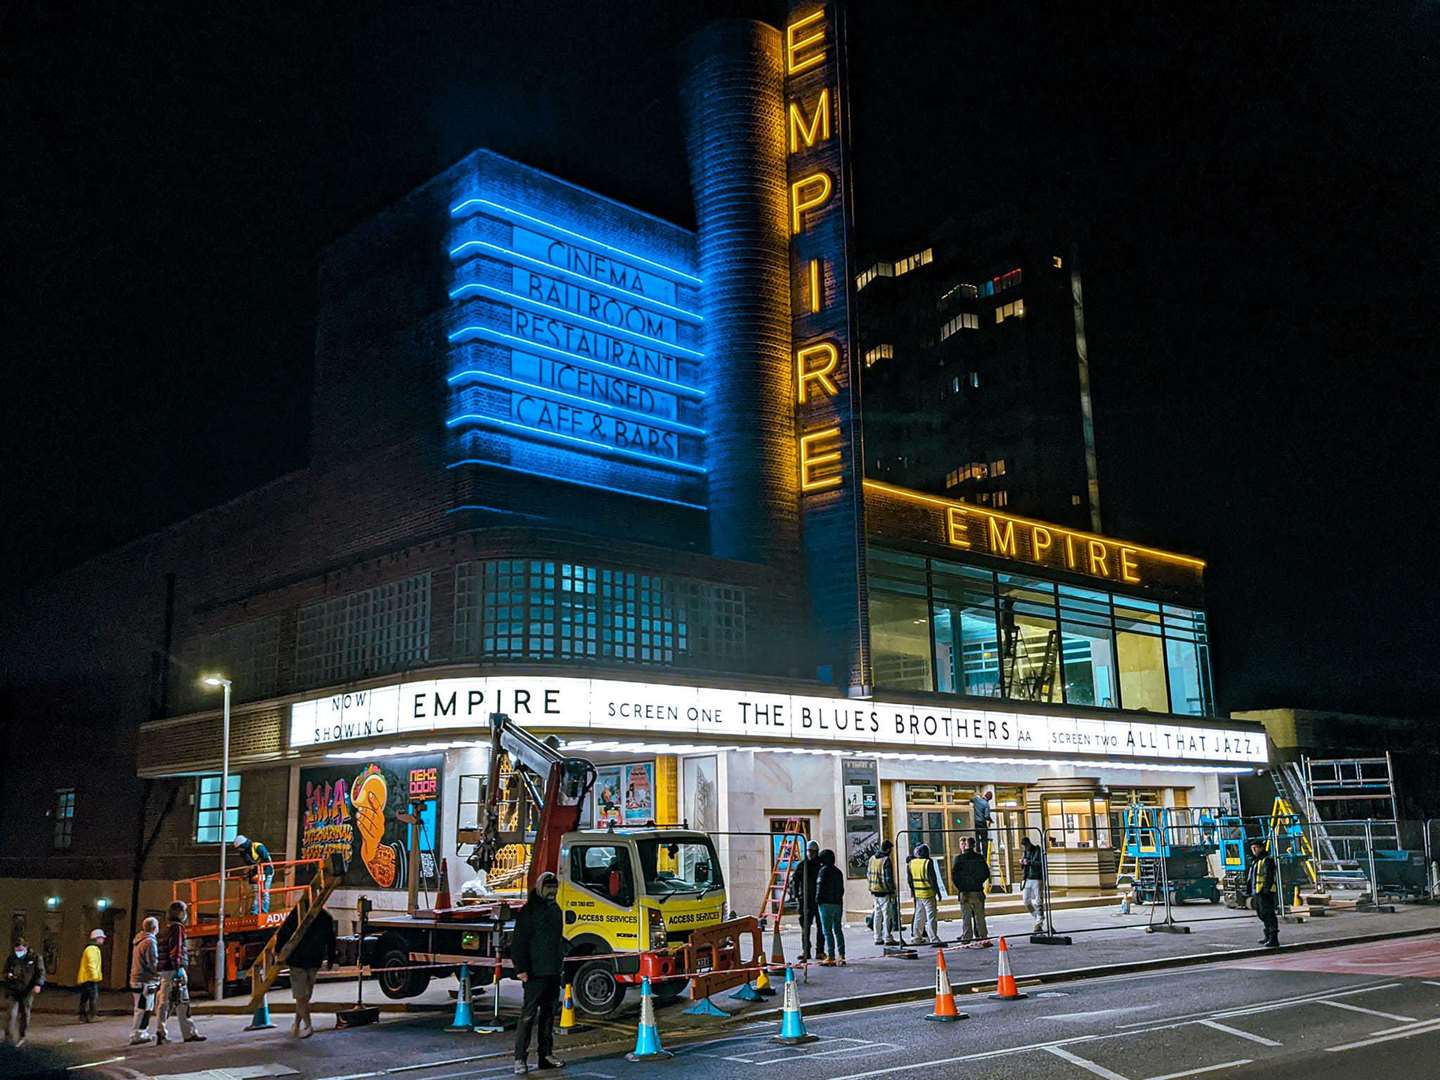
[173, 956]
[970, 872]
[315, 948]
[830, 903]
[537, 950]
[24, 978]
[1032, 885]
[1262, 882]
[802, 891]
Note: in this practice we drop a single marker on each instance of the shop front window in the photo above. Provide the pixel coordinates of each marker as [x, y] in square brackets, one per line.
[1077, 822]
[899, 622]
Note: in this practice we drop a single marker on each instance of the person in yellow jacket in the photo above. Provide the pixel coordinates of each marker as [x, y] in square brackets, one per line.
[89, 978]
[925, 888]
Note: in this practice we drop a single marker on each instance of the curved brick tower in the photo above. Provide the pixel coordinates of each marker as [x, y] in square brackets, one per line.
[735, 136]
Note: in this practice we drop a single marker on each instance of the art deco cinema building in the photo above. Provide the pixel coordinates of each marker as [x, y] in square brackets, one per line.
[584, 466]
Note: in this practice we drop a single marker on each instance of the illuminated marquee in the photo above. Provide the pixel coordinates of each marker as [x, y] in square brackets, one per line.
[429, 707]
[572, 357]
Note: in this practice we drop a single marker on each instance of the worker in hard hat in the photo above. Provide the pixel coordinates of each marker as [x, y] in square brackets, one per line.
[90, 976]
[257, 856]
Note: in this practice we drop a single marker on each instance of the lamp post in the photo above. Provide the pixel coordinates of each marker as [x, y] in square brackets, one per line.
[216, 680]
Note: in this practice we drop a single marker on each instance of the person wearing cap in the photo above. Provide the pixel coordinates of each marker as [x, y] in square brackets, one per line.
[89, 977]
[925, 888]
[880, 875]
[803, 892]
[537, 952]
[257, 856]
[1262, 887]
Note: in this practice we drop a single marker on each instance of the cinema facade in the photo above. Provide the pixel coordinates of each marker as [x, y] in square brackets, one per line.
[579, 465]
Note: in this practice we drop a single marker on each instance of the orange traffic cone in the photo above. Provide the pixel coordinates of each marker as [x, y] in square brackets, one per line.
[1005, 988]
[443, 900]
[945, 1011]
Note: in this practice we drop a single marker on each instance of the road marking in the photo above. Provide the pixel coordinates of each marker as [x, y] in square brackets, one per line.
[92, 1064]
[1416, 1029]
[1084, 1063]
[982, 1055]
[1265, 1006]
[1239, 1034]
[1204, 1069]
[437, 1064]
[1100, 1012]
[352, 1076]
[1370, 1012]
[1430, 982]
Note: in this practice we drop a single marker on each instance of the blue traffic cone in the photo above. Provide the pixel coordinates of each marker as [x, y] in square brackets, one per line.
[463, 1020]
[262, 1016]
[792, 1024]
[748, 992]
[647, 1036]
[706, 1007]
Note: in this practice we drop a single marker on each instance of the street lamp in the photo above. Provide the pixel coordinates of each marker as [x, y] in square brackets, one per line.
[217, 680]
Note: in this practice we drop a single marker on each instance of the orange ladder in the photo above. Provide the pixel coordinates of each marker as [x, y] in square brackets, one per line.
[792, 842]
[271, 961]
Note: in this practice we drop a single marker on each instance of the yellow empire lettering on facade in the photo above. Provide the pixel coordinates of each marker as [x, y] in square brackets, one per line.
[818, 128]
[814, 297]
[795, 44]
[814, 458]
[808, 193]
[955, 526]
[1040, 540]
[805, 374]
[1002, 542]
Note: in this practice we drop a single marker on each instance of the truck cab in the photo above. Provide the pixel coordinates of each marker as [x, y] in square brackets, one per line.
[631, 899]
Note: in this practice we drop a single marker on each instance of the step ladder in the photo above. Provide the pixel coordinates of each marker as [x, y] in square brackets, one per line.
[273, 957]
[792, 844]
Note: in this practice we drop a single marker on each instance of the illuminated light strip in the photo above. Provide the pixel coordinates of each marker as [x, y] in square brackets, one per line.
[590, 444]
[495, 510]
[915, 496]
[504, 467]
[625, 746]
[519, 216]
[614, 331]
[603, 406]
[502, 338]
[589, 283]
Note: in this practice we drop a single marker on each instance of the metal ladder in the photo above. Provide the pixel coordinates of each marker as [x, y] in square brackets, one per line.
[772, 904]
[272, 958]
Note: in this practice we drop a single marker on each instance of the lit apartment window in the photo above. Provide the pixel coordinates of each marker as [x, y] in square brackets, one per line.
[997, 467]
[983, 498]
[952, 478]
[963, 291]
[920, 258]
[1074, 500]
[880, 269]
[1057, 262]
[974, 380]
[966, 320]
[208, 824]
[1000, 282]
[879, 352]
[64, 818]
[955, 384]
[1013, 310]
[1002, 498]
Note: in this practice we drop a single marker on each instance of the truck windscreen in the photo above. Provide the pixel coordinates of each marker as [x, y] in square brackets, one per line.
[675, 866]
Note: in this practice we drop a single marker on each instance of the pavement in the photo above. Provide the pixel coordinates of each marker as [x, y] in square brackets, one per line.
[862, 1002]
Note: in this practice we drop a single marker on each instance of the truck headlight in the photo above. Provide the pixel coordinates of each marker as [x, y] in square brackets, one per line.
[657, 928]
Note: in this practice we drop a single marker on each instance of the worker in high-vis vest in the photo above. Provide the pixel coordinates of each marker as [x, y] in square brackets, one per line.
[257, 856]
[1263, 884]
[880, 875]
[925, 888]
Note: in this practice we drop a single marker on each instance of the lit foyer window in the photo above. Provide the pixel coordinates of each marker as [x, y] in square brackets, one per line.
[966, 320]
[878, 353]
[1013, 310]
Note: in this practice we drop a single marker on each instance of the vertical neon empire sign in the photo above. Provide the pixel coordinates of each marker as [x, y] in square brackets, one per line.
[828, 449]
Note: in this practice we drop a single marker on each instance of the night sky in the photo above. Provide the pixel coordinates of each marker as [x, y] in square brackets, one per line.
[1260, 195]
